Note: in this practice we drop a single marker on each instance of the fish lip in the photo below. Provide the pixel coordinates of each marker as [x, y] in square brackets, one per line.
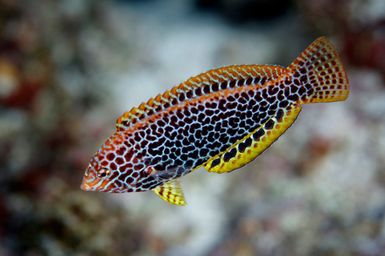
[84, 186]
[93, 185]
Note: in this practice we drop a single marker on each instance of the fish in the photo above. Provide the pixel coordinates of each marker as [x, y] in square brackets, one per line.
[220, 120]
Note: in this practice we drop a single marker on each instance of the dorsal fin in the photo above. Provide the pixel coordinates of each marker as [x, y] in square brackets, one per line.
[211, 81]
[171, 192]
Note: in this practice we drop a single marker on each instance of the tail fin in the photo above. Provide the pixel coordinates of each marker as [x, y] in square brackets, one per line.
[320, 72]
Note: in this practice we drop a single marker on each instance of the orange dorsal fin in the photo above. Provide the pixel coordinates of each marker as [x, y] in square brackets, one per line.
[211, 81]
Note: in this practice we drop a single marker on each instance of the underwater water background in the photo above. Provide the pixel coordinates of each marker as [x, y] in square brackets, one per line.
[69, 68]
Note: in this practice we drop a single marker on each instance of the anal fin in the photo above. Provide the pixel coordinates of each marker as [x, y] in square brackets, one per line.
[252, 145]
[171, 192]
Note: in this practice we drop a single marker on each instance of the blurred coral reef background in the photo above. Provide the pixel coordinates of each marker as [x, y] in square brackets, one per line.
[69, 68]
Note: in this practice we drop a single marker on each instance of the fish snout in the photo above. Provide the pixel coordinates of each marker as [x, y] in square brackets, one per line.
[89, 181]
[84, 186]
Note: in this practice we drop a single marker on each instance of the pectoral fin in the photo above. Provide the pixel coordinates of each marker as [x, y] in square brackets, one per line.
[252, 145]
[171, 192]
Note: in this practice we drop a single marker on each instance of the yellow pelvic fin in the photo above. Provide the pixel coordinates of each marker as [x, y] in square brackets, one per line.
[252, 145]
[171, 192]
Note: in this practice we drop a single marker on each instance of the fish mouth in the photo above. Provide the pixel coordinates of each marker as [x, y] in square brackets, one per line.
[85, 186]
[94, 185]
[88, 185]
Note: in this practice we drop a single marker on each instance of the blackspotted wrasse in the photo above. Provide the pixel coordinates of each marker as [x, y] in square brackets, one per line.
[219, 120]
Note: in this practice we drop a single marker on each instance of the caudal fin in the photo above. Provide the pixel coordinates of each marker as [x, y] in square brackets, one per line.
[321, 74]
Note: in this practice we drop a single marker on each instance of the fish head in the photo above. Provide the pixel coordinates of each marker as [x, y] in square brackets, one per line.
[97, 176]
[112, 167]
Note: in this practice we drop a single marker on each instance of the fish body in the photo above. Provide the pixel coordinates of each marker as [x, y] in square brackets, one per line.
[220, 120]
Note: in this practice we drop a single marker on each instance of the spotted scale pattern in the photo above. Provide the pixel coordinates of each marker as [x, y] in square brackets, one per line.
[202, 84]
[221, 120]
[140, 131]
[174, 142]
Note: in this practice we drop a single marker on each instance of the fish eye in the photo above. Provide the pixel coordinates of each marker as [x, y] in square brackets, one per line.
[103, 172]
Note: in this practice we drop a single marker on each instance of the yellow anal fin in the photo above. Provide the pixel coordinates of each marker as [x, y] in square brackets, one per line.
[171, 192]
[252, 145]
